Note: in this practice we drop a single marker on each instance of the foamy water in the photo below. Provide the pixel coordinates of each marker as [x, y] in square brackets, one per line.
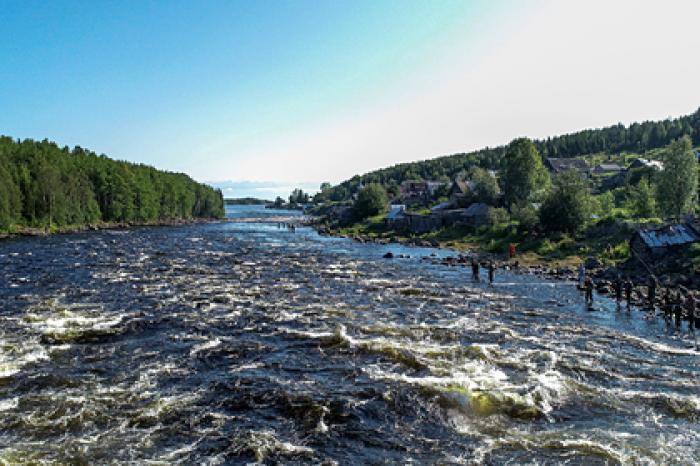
[243, 342]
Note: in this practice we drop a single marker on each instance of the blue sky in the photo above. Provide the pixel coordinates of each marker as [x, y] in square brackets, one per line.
[264, 95]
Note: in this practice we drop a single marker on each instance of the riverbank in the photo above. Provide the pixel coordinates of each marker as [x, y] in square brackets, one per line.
[560, 262]
[33, 231]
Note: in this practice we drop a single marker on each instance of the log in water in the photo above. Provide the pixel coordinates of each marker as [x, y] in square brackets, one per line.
[239, 342]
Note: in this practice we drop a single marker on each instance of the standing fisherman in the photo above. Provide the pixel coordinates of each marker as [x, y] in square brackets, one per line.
[691, 307]
[628, 293]
[492, 272]
[678, 307]
[475, 270]
[668, 304]
[588, 286]
[617, 286]
[653, 284]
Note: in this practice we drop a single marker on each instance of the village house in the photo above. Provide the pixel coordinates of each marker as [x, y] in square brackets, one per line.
[644, 163]
[614, 181]
[447, 205]
[419, 190]
[474, 216]
[653, 243]
[460, 189]
[560, 165]
[396, 218]
[477, 215]
[433, 187]
[607, 169]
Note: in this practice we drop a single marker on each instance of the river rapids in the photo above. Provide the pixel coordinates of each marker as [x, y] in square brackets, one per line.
[244, 342]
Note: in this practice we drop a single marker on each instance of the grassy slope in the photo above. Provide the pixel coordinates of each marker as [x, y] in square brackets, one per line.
[561, 251]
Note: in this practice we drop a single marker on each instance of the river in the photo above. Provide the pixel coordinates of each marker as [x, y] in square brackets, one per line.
[238, 342]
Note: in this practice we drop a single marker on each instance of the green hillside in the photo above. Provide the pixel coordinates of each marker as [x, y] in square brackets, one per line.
[637, 137]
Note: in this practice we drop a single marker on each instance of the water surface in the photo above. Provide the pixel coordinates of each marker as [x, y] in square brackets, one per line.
[239, 342]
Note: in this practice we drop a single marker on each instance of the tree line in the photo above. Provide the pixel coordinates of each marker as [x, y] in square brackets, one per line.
[637, 137]
[567, 202]
[43, 185]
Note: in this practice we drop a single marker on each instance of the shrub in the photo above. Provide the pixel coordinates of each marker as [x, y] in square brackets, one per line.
[498, 216]
[567, 208]
[527, 217]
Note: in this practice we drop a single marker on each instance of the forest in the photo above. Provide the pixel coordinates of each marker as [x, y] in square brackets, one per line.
[45, 186]
[637, 137]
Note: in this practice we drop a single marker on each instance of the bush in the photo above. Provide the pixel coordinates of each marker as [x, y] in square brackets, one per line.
[606, 204]
[527, 217]
[641, 200]
[546, 248]
[567, 208]
[498, 216]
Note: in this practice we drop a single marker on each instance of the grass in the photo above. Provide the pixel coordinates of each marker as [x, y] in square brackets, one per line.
[606, 240]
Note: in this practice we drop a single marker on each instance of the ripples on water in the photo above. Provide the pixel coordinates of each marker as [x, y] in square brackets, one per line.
[233, 343]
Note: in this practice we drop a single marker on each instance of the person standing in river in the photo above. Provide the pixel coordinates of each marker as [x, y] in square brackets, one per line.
[667, 305]
[588, 287]
[492, 273]
[475, 270]
[678, 302]
[628, 293]
[653, 285]
[581, 276]
[691, 306]
[617, 286]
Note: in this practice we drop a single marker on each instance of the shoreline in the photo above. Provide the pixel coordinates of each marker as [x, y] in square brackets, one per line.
[529, 266]
[603, 275]
[103, 226]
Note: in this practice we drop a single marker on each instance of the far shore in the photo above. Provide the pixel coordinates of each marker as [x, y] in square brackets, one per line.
[524, 263]
[34, 231]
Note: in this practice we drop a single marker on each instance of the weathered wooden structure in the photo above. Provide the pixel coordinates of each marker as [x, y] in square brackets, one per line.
[654, 243]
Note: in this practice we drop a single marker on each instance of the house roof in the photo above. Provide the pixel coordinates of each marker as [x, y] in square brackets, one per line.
[413, 184]
[670, 235]
[460, 186]
[560, 165]
[608, 167]
[477, 209]
[442, 206]
[639, 162]
[397, 211]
